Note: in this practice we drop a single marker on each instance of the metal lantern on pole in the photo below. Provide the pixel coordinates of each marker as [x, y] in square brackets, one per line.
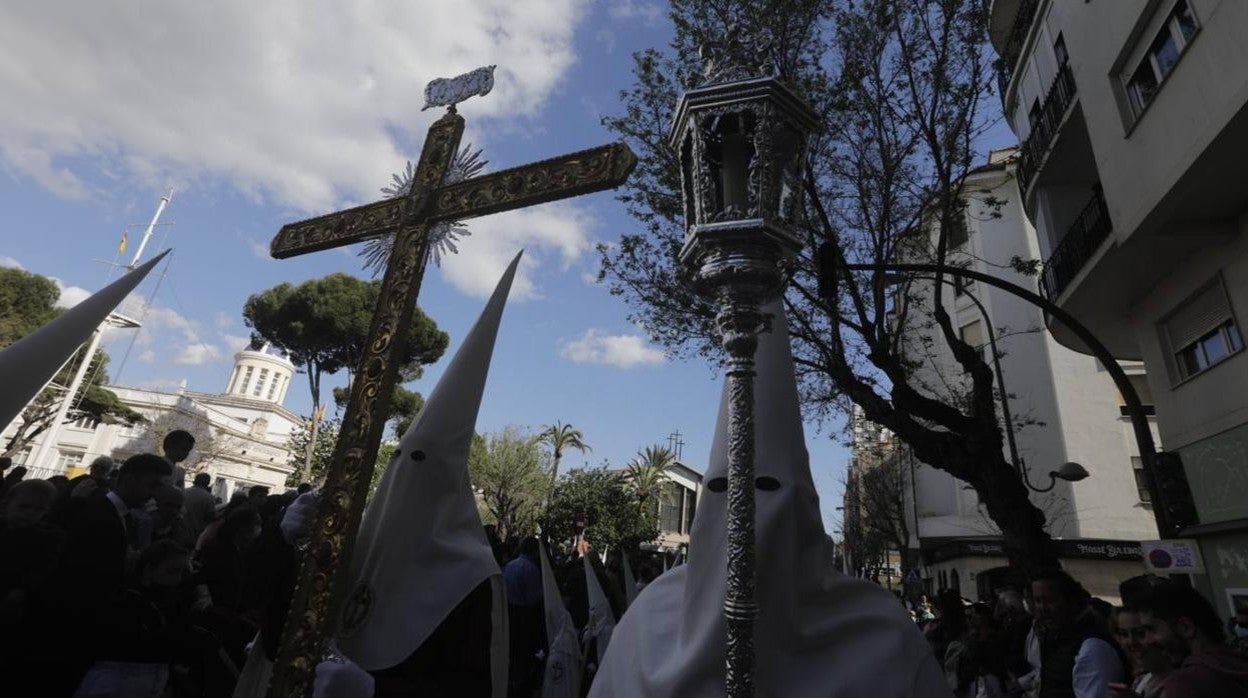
[741, 137]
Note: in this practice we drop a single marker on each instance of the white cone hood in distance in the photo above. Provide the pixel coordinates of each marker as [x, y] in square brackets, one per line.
[29, 363]
[421, 547]
[562, 678]
[819, 632]
[630, 582]
[601, 617]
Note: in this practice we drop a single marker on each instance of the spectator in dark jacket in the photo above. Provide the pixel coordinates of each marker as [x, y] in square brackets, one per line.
[1077, 655]
[146, 629]
[1181, 623]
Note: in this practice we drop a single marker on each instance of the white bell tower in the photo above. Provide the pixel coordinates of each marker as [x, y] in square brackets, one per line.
[260, 374]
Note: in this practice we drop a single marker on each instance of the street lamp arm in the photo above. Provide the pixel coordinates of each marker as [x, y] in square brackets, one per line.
[1135, 409]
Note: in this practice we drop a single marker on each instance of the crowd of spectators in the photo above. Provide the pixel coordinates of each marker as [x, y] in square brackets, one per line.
[1057, 641]
[122, 582]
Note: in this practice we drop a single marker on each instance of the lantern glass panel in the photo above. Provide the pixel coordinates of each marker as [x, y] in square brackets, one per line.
[687, 179]
[730, 149]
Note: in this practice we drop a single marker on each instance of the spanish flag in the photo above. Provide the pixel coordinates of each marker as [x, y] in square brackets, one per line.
[122, 247]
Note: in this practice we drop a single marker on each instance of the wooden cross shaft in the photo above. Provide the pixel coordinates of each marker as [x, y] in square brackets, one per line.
[573, 174]
[321, 581]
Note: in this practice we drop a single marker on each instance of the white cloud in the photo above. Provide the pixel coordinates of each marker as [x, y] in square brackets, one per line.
[235, 342]
[558, 229]
[309, 103]
[196, 354]
[619, 350]
[648, 11]
[259, 249]
[167, 335]
[70, 295]
[11, 263]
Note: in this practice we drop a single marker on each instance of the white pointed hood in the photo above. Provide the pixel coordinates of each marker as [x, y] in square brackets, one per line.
[601, 618]
[819, 633]
[562, 678]
[29, 363]
[630, 582]
[421, 547]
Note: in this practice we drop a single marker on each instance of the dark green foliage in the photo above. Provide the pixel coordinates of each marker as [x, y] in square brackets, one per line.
[612, 516]
[510, 472]
[323, 324]
[404, 405]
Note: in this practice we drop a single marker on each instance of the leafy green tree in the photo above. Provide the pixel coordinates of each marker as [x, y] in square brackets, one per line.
[323, 324]
[647, 472]
[508, 471]
[404, 405]
[321, 453]
[560, 436]
[609, 507]
[904, 91]
[27, 302]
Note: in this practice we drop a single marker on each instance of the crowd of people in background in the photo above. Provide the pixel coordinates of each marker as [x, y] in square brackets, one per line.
[1165, 641]
[125, 581]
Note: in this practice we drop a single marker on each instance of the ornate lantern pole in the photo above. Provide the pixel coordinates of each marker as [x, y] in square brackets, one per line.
[741, 137]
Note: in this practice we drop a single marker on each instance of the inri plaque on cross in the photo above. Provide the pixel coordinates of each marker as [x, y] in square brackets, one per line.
[321, 583]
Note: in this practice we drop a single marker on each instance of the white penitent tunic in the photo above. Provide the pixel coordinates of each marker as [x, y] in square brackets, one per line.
[819, 633]
[421, 548]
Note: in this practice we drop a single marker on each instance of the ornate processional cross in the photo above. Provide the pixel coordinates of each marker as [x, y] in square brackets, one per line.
[321, 579]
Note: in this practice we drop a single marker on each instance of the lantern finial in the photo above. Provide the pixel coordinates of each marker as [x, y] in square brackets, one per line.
[738, 55]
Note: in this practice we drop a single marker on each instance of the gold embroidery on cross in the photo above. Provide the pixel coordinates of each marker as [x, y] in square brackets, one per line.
[560, 177]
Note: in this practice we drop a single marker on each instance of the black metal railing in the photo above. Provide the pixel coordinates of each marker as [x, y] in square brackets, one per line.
[1082, 240]
[1013, 48]
[1061, 93]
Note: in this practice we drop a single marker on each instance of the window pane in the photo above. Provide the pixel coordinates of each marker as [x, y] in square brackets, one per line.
[1215, 347]
[1143, 85]
[1232, 334]
[1192, 361]
[1059, 50]
[1185, 21]
[1165, 52]
[1142, 487]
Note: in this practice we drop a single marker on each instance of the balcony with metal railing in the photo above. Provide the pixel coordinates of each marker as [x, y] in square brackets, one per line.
[1084, 237]
[1045, 126]
[1009, 33]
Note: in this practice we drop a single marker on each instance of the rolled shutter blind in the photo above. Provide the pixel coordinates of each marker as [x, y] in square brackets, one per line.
[1200, 315]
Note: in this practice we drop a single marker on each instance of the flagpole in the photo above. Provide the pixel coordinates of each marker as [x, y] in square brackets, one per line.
[147, 234]
[53, 433]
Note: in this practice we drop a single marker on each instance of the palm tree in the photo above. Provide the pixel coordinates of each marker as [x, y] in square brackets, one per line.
[648, 471]
[560, 436]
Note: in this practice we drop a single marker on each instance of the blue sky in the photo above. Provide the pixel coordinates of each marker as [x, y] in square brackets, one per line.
[262, 115]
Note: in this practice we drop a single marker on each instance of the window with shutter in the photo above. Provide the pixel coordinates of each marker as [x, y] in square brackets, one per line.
[1201, 333]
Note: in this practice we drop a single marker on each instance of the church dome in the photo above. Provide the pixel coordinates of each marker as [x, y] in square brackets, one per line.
[261, 374]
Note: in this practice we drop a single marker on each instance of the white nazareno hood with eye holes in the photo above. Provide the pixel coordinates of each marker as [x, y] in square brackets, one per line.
[819, 633]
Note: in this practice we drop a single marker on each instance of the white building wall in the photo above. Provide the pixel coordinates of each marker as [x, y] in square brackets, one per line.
[1174, 188]
[1069, 400]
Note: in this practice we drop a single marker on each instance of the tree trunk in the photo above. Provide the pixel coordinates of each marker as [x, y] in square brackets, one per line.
[1027, 544]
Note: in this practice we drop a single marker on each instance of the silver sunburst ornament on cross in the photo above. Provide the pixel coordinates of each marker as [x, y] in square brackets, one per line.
[442, 236]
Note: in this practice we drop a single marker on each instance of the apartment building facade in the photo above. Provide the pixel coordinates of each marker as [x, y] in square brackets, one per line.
[1133, 118]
